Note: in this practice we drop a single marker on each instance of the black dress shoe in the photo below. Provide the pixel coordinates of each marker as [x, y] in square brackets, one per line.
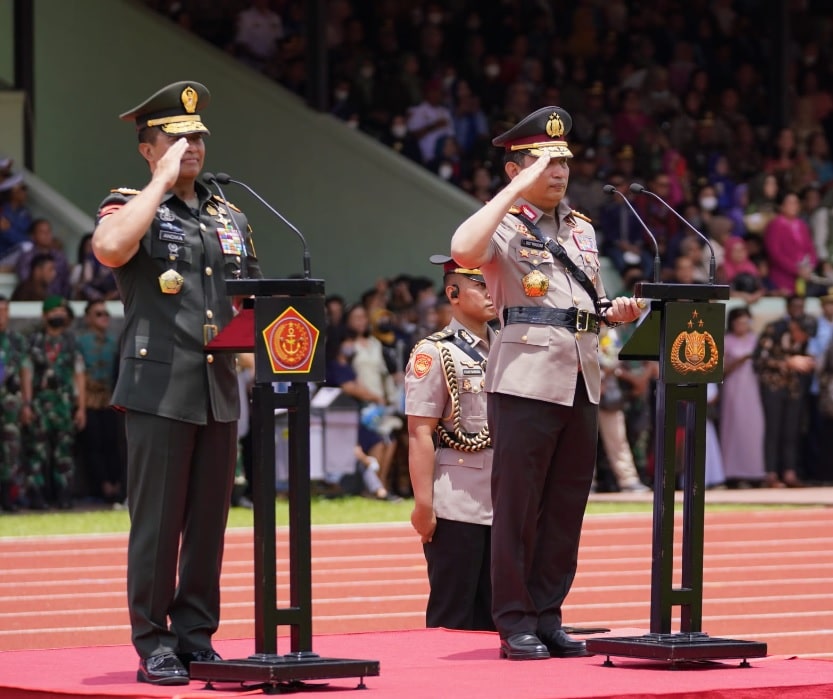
[164, 669]
[198, 656]
[560, 645]
[523, 646]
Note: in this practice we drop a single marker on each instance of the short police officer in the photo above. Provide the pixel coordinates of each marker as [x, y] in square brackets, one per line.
[541, 265]
[171, 246]
[445, 401]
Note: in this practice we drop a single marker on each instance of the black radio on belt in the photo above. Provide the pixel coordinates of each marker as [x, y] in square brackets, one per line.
[571, 318]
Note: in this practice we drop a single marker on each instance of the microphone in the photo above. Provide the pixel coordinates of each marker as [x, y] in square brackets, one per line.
[211, 178]
[637, 188]
[225, 179]
[610, 189]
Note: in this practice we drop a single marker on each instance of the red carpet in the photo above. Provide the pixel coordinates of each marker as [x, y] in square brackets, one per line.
[429, 663]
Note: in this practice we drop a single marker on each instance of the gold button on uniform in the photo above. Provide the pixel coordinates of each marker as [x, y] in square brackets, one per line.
[143, 352]
[461, 461]
[209, 314]
[209, 358]
[208, 271]
[523, 338]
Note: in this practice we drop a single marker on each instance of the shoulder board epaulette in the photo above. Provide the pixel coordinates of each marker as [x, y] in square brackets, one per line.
[227, 203]
[125, 190]
[440, 335]
[583, 217]
[514, 210]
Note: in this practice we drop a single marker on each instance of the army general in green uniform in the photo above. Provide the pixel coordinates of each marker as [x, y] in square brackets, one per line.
[171, 246]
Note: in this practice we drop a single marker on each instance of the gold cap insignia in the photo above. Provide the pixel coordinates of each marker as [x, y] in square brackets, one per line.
[555, 127]
[189, 99]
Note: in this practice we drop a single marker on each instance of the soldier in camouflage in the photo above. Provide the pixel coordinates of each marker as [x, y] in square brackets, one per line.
[58, 406]
[15, 404]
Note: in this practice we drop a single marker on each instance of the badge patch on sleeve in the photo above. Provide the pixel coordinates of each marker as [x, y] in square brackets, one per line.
[422, 364]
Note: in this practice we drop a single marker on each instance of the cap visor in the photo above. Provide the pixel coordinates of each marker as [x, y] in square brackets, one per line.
[552, 151]
[179, 128]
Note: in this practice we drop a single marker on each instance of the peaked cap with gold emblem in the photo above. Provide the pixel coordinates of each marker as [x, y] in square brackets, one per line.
[451, 267]
[541, 132]
[173, 109]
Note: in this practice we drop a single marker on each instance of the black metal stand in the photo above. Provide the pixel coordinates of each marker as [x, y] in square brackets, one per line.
[685, 333]
[288, 315]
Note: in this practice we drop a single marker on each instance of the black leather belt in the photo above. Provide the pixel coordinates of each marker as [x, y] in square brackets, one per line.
[570, 318]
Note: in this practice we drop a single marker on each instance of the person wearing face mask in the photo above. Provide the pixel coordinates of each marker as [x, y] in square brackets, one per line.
[400, 139]
[58, 400]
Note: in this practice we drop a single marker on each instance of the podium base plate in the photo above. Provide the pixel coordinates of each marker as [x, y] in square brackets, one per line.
[274, 670]
[677, 648]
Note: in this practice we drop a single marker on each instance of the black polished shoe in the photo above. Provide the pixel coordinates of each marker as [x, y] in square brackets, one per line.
[198, 656]
[560, 645]
[164, 669]
[523, 646]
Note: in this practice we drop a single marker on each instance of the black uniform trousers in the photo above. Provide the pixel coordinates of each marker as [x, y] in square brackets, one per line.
[783, 415]
[544, 459]
[179, 478]
[459, 574]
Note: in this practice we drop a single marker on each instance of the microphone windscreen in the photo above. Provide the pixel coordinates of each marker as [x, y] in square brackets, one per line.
[608, 189]
[637, 188]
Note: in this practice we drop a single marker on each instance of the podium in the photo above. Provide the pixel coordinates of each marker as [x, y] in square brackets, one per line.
[282, 321]
[685, 332]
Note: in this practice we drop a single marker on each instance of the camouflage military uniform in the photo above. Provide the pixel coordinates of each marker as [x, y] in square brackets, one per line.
[13, 359]
[51, 436]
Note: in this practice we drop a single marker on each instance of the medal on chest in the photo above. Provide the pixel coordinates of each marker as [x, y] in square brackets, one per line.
[535, 283]
[171, 281]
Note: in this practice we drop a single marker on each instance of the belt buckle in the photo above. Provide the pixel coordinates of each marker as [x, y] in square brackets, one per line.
[583, 321]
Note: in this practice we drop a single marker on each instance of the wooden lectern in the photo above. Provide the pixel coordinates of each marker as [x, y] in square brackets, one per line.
[282, 321]
[685, 332]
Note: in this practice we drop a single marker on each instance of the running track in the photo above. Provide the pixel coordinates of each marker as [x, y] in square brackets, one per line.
[767, 578]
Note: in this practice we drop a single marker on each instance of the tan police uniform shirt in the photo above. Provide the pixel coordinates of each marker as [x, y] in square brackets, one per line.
[462, 480]
[542, 362]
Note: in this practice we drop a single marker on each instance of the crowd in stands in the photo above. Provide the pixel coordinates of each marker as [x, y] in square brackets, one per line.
[677, 96]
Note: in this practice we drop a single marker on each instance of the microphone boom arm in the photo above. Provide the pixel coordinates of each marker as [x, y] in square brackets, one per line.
[637, 188]
[610, 189]
[306, 260]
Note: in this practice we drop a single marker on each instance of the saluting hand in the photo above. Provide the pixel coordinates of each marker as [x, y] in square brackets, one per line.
[167, 167]
[529, 175]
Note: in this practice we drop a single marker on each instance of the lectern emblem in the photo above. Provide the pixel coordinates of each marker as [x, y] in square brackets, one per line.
[695, 349]
[290, 342]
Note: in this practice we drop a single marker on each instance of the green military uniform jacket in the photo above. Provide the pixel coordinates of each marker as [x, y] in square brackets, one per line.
[164, 369]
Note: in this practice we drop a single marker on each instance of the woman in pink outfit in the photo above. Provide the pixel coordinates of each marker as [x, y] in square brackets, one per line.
[741, 413]
[789, 246]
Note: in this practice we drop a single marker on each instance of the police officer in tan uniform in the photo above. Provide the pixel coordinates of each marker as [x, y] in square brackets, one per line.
[171, 246]
[541, 266]
[445, 401]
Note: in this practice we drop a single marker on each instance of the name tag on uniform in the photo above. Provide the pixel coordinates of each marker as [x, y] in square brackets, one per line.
[534, 244]
[230, 241]
[585, 241]
[472, 372]
[171, 232]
